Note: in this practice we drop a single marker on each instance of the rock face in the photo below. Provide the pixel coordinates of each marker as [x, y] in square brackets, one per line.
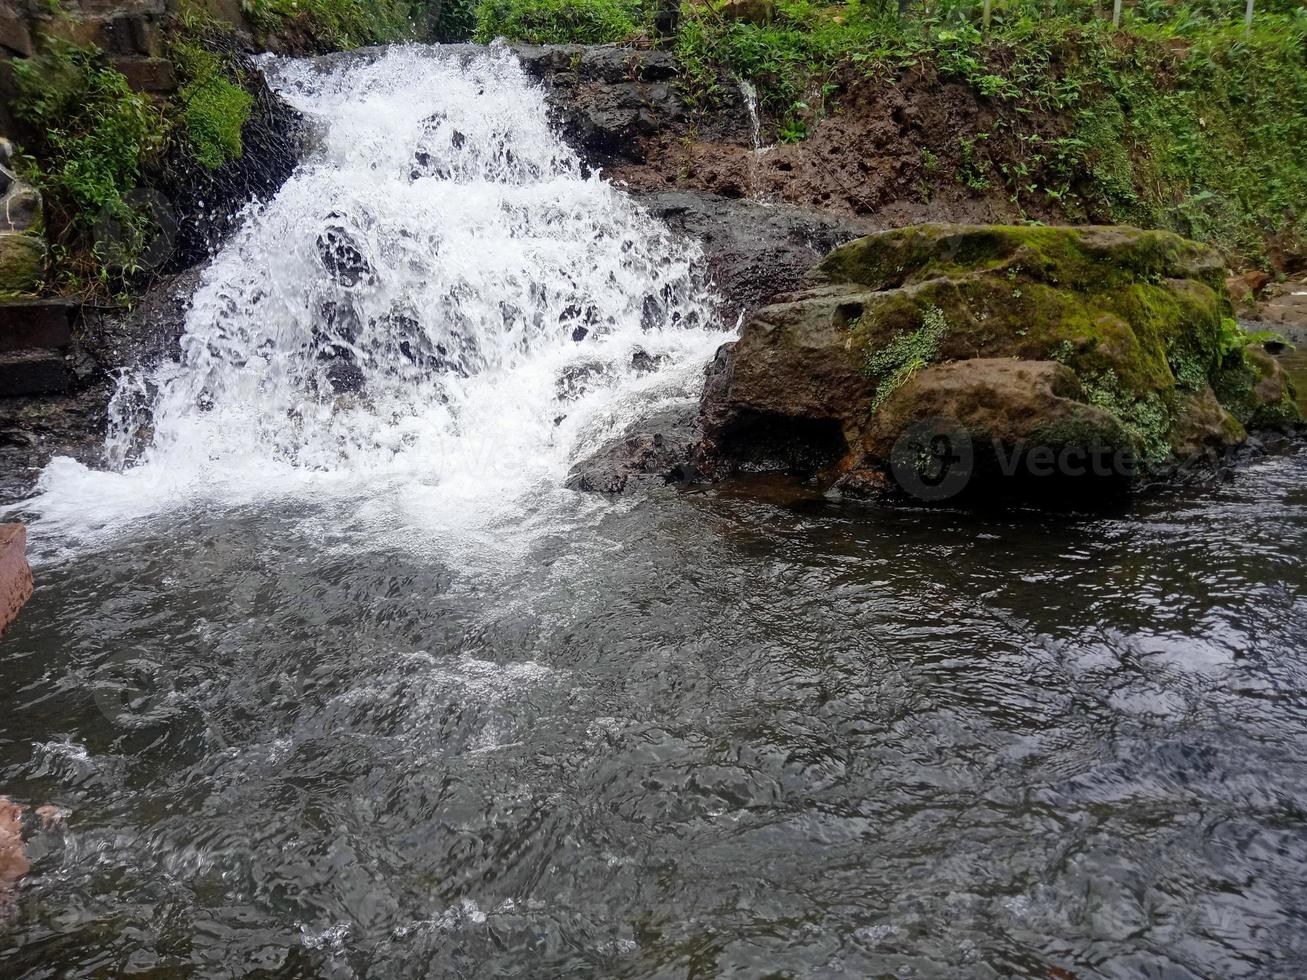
[753, 250]
[1000, 351]
[15, 574]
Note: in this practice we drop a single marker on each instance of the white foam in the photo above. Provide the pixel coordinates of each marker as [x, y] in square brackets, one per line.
[487, 252]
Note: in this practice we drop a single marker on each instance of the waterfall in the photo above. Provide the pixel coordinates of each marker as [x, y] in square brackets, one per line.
[438, 298]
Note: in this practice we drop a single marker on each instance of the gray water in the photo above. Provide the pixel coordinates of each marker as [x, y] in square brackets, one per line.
[347, 684]
[707, 736]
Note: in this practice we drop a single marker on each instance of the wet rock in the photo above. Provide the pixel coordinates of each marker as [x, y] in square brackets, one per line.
[654, 452]
[1106, 341]
[15, 574]
[578, 379]
[606, 99]
[341, 256]
[22, 262]
[21, 209]
[753, 250]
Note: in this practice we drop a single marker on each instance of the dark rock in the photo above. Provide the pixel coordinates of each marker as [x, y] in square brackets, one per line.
[44, 323]
[14, 34]
[202, 204]
[341, 256]
[153, 75]
[33, 373]
[20, 208]
[655, 452]
[753, 251]
[605, 98]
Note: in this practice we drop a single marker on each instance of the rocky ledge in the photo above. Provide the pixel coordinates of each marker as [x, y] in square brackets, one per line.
[939, 359]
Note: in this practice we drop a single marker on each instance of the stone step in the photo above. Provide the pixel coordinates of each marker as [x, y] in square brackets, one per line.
[37, 324]
[39, 372]
[15, 573]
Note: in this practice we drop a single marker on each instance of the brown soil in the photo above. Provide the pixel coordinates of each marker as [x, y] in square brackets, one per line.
[866, 158]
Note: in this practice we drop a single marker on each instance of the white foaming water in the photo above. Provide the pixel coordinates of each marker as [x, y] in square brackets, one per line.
[437, 309]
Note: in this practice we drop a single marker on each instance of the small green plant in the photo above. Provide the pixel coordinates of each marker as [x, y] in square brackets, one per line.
[1146, 419]
[214, 107]
[893, 365]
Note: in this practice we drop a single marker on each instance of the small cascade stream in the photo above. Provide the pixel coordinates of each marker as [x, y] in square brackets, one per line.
[437, 299]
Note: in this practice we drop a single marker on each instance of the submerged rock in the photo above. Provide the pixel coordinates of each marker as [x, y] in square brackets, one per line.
[654, 452]
[1039, 353]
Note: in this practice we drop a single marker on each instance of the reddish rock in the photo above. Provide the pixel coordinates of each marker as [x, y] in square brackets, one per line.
[1244, 287]
[15, 573]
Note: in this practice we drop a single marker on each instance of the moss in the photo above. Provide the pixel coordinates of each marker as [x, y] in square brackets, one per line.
[1253, 388]
[1133, 314]
[214, 107]
[334, 25]
[22, 263]
[1147, 419]
[1098, 258]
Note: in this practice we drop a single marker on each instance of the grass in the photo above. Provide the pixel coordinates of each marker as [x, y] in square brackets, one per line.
[214, 106]
[1181, 120]
[558, 21]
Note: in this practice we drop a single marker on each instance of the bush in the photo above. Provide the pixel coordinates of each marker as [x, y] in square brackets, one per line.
[96, 137]
[214, 108]
[557, 21]
[336, 24]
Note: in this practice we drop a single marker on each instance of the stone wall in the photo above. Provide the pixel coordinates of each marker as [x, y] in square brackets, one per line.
[130, 32]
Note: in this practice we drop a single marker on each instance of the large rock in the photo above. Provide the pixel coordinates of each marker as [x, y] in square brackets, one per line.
[15, 574]
[1019, 351]
[22, 262]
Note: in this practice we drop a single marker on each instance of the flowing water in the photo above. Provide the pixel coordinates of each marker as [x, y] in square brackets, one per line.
[334, 679]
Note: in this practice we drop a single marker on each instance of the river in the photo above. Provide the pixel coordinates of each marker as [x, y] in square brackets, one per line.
[335, 679]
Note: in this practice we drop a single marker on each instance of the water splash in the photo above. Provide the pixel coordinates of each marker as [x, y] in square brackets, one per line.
[438, 299]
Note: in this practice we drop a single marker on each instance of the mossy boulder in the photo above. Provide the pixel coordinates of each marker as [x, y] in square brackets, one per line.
[22, 263]
[1124, 338]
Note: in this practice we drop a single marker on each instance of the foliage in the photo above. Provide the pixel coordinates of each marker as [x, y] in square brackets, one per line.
[96, 137]
[336, 24]
[893, 365]
[557, 21]
[1186, 121]
[214, 108]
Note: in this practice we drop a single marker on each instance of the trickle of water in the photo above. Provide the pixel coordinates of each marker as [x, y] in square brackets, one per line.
[750, 95]
[438, 296]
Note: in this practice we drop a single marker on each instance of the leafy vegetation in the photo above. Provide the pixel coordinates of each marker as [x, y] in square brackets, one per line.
[335, 24]
[893, 365]
[214, 108]
[96, 138]
[1182, 120]
[557, 21]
